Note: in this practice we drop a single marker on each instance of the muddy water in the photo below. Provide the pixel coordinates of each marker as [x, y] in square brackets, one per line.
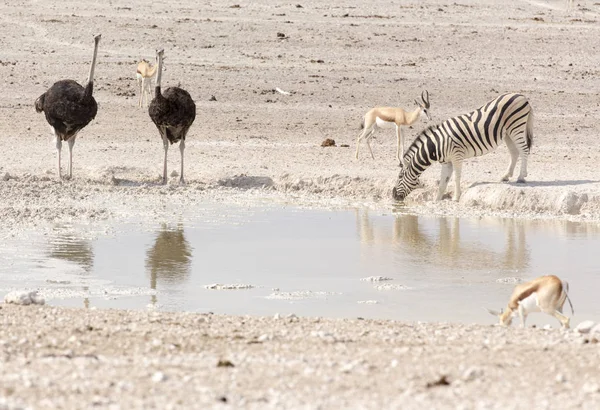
[308, 262]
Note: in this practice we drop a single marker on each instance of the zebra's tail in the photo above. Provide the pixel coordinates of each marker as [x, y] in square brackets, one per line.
[529, 129]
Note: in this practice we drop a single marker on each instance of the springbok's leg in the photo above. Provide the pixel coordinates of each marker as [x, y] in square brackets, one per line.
[400, 147]
[444, 178]
[166, 146]
[514, 155]
[58, 142]
[362, 135]
[71, 142]
[457, 171]
[141, 88]
[368, 143]
[181, 148]
[564, 320]
[522, 315]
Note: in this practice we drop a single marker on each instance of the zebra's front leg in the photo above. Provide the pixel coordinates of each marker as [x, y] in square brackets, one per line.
[457, 171]
[444, 178]
[514, 155]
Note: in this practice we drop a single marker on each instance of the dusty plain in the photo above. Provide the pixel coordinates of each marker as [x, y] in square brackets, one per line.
[337, 59]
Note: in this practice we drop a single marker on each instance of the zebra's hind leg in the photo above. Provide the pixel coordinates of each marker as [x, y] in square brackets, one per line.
[444, 178]
[523, 173]
[514, 155]
[457, 171]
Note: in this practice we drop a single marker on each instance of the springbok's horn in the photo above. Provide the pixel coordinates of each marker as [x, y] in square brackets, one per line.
[425, 97]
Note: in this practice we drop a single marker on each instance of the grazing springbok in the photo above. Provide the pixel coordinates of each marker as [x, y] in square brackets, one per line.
[390, 117]
[144, 75]
[545, 294]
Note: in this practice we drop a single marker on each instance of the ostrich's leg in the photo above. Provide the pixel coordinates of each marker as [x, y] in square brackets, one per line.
[166, 146]
[58, 149]
[181, 148]
[71, 142]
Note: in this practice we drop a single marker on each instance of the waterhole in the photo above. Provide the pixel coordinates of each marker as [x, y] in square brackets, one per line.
[282, 259]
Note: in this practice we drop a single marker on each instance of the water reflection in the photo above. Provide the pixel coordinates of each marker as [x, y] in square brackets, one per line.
[438, 240]
[68, 246]
[170, 257]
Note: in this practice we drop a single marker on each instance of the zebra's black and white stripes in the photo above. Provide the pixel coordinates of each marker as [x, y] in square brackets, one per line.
[508, 117]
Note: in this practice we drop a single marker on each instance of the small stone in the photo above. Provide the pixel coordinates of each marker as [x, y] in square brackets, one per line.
[596, 329]
[225, 363]
[560, 378]
[584, 327]
[472, 373]
[6, 177]
[277, 316]
[174, 174]
[328, 143]
[159, 377]
[591, 387]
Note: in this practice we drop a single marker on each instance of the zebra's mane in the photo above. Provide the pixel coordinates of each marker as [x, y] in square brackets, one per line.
[418, 141]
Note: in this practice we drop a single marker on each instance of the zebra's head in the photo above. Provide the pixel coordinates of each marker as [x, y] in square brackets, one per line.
[424, 104]
[404, 186]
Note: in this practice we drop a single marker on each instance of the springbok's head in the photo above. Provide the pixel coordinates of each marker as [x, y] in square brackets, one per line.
[404, 185]
[424, 103]
[505, 318]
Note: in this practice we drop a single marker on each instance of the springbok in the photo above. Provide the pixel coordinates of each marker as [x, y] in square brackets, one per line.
[545, 294]
[388, 117]
[144, 75]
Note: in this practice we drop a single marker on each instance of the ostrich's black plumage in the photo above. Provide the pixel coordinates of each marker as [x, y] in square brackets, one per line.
[174, 112]
[68, 107]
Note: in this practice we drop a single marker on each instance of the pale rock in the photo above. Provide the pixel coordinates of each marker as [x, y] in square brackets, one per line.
[596, 329]
[590, 387]
[584, 327]
[159, 377]
[20, 297]
[472, 373]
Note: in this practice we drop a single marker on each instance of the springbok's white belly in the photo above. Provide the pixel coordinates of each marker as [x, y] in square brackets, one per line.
[384, 124]
[530, 303]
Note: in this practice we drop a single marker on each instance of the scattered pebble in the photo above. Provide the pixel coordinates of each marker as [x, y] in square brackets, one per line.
[220, 286]
[375, 278]
[20, 297]
[159, 377]
[511, 280]
[584, 327]
[391, 286]
[368, 302]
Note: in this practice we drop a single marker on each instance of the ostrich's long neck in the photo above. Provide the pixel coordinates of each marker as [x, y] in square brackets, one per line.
[89, 87]
[158, 77]
[93, 66]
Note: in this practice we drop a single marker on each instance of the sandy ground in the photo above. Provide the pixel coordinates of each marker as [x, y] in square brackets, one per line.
[115, 359]
[337, 60]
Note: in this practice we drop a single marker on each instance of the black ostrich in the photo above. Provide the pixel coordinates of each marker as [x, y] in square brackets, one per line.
[69, 107]
[173, 114]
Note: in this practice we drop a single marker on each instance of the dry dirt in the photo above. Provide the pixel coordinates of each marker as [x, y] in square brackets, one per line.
[337, 59]
[71, 359]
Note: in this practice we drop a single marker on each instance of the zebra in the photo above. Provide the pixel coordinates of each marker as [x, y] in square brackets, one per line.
[508, 117]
